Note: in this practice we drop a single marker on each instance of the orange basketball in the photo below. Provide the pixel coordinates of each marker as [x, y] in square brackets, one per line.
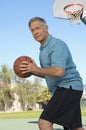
[18, 62]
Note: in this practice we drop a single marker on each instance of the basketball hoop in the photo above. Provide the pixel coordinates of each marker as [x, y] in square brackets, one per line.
[74, 12]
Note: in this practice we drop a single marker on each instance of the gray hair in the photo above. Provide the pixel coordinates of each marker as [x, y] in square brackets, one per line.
[36, 19]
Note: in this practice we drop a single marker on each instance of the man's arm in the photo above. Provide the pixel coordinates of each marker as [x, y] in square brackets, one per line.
[42, 72]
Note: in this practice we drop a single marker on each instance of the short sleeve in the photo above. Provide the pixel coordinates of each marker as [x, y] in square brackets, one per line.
[59, 55]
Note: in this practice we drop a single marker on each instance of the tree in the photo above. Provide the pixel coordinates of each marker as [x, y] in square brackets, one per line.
[6, 94]
[5, 75]
[27, 94]
[44, 95]
[6, 97]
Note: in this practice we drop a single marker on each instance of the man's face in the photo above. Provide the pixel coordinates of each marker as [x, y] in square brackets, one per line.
[39, 31]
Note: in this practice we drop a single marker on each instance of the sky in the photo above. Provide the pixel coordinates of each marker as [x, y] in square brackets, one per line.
[16, 39]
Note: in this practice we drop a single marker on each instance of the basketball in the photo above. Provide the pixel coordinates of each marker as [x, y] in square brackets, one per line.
[18, 62]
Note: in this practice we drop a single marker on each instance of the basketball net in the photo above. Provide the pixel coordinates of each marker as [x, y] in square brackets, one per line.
[74, 12]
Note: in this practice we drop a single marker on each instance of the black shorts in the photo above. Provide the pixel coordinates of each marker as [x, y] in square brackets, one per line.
[64, 108]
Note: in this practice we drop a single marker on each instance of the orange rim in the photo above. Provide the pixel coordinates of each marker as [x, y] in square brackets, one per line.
[71, 5]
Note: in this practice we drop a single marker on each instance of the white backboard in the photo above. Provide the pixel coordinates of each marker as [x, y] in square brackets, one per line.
[58, 7]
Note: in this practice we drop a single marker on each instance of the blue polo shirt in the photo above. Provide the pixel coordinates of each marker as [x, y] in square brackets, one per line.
[56, 53]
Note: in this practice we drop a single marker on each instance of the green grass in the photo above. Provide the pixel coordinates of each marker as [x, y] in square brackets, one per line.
[83, 110]
[16, 115]
[29, 114]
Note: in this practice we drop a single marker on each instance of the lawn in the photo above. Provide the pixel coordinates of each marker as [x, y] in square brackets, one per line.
[16, 115]
[83, 110]
[29, 114]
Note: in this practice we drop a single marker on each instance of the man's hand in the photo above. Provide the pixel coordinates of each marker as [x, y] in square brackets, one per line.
[26, 67]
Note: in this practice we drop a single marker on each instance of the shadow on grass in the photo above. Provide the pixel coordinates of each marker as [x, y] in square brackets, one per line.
[58, 129]
[36, 122]
[33, 122]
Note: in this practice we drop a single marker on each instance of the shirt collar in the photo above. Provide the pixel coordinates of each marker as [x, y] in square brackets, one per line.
[46, 42]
